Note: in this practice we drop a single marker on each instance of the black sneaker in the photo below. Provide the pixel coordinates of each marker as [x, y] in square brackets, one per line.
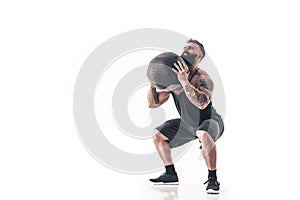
[165, 179]
[213, 186]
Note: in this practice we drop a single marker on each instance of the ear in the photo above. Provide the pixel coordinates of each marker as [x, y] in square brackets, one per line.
[199, 57]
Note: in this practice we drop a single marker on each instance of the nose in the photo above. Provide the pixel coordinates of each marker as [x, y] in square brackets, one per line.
[185, 51]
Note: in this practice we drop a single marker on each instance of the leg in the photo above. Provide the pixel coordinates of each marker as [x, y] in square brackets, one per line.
[172, 133]
[164, 151]
[162, 147]
[208, 149]
[210, 156]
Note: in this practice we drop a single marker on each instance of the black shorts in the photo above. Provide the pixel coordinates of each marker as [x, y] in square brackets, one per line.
[179, 133]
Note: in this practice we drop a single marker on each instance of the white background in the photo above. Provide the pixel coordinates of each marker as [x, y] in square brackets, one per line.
[254, 44]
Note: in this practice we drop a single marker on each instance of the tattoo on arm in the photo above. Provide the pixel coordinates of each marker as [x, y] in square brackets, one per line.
[200, 98]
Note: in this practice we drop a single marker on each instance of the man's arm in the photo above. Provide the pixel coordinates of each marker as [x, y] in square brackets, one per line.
[200, 98]
[155, 99]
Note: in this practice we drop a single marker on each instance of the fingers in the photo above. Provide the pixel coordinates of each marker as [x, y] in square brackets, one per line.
[181, 66]
[174, 70]
[184, 65]
[177, 67]
[181, 70]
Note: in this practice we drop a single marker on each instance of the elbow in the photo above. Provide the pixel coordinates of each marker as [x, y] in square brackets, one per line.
[203, 105]
[153, 105]
[150, 105]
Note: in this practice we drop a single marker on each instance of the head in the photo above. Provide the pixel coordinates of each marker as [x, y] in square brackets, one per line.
[194, 48]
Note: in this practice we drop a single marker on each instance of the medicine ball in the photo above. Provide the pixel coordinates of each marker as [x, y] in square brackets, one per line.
[160, 71]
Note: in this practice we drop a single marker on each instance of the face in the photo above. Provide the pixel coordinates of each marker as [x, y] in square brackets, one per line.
[192, 49]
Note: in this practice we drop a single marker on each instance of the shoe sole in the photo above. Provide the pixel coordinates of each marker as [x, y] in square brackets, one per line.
[211, 191]
[171, 183]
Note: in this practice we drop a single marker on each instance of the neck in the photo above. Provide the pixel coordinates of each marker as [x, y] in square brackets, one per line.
[193, 69]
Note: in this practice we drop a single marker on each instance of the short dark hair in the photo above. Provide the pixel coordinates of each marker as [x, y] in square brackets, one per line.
[199, 44]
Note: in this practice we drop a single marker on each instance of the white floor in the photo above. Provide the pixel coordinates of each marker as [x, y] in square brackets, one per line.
[192, 174]
[185, 190]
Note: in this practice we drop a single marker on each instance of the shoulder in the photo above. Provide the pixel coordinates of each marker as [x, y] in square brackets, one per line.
[203, 72]
[205, 80]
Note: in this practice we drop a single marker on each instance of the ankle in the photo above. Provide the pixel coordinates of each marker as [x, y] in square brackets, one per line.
[212, 174]
[170, 170]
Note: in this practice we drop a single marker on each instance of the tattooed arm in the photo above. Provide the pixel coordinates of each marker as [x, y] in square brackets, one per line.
[199, 97]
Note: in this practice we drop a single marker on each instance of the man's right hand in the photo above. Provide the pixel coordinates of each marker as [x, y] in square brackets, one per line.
[155, 99]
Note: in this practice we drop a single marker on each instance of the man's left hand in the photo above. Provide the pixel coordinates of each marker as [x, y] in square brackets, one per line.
[182, 72]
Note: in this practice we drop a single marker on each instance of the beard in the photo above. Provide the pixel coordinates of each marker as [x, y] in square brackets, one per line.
[189, 58]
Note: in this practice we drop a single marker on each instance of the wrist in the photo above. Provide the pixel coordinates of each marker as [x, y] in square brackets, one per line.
[184, 83]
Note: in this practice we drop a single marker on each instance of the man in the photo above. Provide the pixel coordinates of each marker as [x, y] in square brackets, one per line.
[198, 118]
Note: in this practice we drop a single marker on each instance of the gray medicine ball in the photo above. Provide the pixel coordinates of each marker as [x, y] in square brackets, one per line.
[160, 71]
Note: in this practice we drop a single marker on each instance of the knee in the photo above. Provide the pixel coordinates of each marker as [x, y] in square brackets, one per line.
[155, 137]
[203, 136]
[158, 137]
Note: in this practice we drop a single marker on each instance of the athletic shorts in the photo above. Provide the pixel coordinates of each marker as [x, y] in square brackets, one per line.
[178, 132]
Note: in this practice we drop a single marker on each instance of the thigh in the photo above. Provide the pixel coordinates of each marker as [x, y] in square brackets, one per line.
[177, 132]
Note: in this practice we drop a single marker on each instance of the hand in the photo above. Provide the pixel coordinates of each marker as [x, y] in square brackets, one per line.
[182, 72]
[152, 87]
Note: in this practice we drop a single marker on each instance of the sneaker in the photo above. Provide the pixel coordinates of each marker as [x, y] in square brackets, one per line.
[213, 186]
[165, 178]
